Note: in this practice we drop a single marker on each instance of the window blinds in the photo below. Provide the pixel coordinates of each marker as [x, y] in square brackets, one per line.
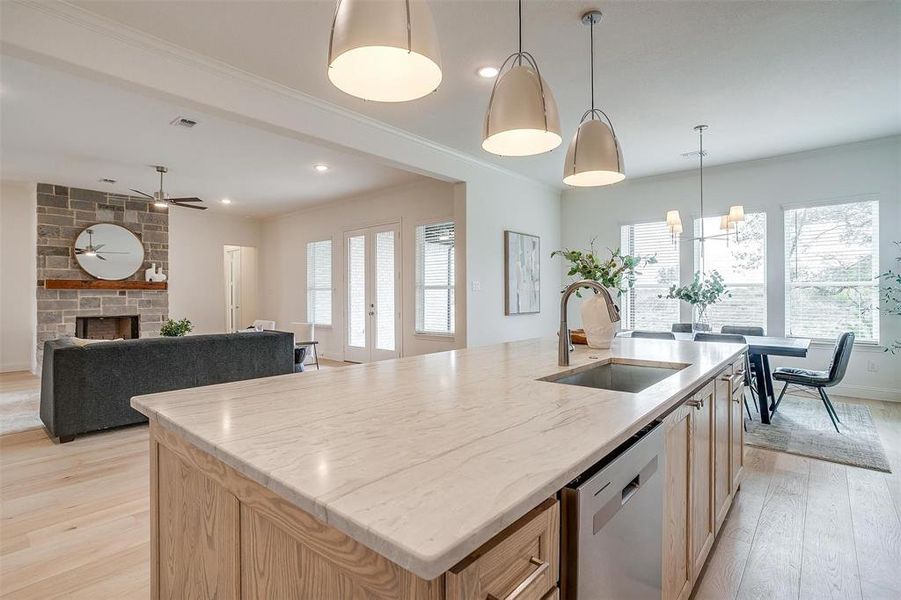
[319, 282]
[642, 307]
[435, 278]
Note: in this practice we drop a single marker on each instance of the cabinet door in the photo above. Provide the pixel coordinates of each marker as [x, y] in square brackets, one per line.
[702, 517]
[737, 439]
[722, 414]
[676, 507]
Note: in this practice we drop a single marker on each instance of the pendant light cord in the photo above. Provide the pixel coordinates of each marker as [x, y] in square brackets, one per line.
[520, 33]
[701, 164]
[591, 62]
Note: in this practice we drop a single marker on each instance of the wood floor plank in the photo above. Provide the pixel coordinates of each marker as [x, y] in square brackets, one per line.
[773, 569]
[829, 561]
[877, 534]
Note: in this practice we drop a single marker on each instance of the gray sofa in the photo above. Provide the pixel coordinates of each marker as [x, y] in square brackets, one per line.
[89, 388]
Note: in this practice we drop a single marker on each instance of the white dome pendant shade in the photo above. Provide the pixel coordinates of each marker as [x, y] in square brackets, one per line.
[522, 117]
[384, 51]
[594, 157]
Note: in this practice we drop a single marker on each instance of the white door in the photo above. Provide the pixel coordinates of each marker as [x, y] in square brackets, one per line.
[372, 276]
[233, 289]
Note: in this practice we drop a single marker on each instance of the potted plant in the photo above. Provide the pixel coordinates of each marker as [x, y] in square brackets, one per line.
[615, 271]
[701, 293]
[173, 328]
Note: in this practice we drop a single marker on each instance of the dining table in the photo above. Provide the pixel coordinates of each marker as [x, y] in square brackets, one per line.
[760, 348]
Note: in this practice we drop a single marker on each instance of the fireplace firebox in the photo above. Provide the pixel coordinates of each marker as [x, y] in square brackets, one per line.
[108, 328]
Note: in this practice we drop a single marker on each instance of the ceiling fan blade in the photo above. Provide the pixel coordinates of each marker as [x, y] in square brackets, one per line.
[188, 205]
[100, 257]
[142, 193]
[192, 199]
[111, 252]
[99, 246]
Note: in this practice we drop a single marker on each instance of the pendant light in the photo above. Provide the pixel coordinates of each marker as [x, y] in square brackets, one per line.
[522, 117]
[384, 51]
[594, 157]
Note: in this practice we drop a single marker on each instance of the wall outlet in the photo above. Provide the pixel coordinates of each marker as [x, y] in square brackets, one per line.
[872, 367]
[477, 286]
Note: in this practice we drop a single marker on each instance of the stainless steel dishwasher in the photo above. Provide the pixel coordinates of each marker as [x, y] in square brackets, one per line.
[613, 524]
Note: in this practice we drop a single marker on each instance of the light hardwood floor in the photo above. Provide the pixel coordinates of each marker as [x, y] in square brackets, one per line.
[74, 521]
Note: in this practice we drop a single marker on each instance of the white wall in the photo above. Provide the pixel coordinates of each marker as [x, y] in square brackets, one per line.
[18, 311]
[196, 265]
[849, 171]
[283, 268]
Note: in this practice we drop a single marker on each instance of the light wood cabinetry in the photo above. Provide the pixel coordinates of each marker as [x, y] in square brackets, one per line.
[524, 563]
[704, 444]
[676, 504]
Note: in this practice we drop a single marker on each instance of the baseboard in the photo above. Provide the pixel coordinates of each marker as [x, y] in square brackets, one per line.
[867, 392]
[10, 367]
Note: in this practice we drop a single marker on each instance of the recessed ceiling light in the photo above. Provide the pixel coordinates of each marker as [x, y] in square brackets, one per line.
[225, 201]
[321, 168]
[487, 72]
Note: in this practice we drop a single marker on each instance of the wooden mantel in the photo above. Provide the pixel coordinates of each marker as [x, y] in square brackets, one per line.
[102, 284]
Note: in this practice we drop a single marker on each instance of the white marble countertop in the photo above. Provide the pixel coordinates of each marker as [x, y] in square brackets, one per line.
[424, 459]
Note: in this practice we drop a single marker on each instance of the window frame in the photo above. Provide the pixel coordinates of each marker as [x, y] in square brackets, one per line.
[419, 289]
[788, 286]
[330, 289]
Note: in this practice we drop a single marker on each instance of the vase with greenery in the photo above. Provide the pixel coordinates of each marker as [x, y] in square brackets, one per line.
[701, 293]
[890, 287]
[615, 272]
[172, 328]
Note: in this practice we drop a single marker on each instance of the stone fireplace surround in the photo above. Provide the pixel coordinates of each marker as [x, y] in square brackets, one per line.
[62, 213]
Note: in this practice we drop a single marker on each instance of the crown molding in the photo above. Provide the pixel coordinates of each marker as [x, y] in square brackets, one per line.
[103, 26]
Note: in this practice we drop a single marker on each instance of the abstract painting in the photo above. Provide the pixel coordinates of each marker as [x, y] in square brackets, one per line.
[522, 269]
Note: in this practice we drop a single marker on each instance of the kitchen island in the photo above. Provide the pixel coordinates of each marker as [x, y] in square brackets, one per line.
[431, 476]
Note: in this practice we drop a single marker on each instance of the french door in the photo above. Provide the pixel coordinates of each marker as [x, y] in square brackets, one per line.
[233, 289]
[372, 298]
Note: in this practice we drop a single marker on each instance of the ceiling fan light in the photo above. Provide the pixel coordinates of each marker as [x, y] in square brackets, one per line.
[594, 157]
[736, 214]
[522, 117]
[379, 51]
[160, 204]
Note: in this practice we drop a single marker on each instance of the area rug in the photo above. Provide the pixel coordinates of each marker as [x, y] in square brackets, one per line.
[19, 411]
[802, 426]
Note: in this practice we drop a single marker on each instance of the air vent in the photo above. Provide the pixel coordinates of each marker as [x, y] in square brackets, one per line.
[694, 154]
[107, 180]
[184, 122]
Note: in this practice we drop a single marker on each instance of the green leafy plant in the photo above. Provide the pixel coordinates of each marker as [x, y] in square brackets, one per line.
[891, 297]
[700, 293]
[615, 272]
[173, 328]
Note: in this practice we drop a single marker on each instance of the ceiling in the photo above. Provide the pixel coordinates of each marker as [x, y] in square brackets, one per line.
[768, 77]
[63, 129]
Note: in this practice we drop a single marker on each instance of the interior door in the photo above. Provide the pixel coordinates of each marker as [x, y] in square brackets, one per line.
[372, 276]
[233, 289]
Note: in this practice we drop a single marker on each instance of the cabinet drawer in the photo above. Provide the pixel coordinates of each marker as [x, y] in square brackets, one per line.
[522, 562]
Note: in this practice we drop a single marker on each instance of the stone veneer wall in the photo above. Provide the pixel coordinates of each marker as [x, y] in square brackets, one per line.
[62, 213]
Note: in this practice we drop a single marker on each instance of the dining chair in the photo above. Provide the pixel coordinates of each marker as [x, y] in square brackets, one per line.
[820, 380]
[731, 338]
[682, 328]
[654, 335]
[305, 337]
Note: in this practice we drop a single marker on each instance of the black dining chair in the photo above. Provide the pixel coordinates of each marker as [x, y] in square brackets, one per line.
[654, 335]
[682, 328]
[730, 338]
[820, 380]
[750, 330]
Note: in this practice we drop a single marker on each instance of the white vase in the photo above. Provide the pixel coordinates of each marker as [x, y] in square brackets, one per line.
[149, 272]
[599, 330]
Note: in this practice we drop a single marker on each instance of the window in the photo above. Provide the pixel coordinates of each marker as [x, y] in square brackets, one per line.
[831, 264]
[642, 309]
[319, 282]
[742, 264]
[435, 278]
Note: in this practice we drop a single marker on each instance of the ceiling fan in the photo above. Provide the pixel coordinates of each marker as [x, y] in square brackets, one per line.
[160, 200]
[92, 250]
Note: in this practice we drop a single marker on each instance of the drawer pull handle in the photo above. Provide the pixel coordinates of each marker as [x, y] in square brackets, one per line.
[697, 403]
[524, 585]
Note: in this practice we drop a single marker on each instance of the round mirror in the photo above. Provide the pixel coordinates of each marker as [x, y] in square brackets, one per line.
[109, 251]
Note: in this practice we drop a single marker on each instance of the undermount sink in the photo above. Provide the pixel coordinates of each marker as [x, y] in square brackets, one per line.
[617, 375]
